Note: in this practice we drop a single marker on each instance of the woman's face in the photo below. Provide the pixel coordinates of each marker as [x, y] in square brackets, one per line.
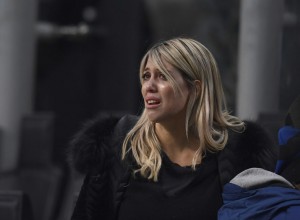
[162, 104]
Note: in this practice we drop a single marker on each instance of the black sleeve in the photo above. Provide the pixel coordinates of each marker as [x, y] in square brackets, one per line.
[89, 153]
[79, 212]
[90, 204]
[93, 151]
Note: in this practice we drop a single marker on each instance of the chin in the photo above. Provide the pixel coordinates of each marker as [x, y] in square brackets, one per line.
[154, 118]
[157, 118]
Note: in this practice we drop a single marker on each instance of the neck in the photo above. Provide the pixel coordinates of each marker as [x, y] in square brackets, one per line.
[174, 142]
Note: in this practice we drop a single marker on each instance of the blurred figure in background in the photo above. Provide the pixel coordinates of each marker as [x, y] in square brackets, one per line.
[288, 164]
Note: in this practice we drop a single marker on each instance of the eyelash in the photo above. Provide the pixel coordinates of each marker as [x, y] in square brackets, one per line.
[162, 76]
[146, 76]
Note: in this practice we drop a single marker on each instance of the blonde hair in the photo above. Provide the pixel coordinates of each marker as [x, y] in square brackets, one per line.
[207, 117]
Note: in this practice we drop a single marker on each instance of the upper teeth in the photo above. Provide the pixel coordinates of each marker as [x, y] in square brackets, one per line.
[151, 101]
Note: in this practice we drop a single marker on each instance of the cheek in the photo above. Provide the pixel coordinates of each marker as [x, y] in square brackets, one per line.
[183, 97]
[143, 90]
[168, 93]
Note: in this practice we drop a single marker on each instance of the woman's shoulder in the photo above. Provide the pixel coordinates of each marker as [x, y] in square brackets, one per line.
[254, 137]
[252, 148]
[94, 142]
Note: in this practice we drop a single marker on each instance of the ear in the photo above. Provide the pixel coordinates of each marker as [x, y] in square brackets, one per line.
[197, 86]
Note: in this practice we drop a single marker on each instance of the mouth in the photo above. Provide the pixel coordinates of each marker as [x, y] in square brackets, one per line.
[152, 103]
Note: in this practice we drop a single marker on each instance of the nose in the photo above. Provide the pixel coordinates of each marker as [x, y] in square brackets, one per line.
[150, 85]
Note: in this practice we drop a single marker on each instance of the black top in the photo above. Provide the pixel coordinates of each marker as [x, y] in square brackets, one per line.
[95, 152]
[180, 193]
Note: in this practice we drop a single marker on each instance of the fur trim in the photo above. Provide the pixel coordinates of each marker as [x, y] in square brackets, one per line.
[89, 149]
[256, 145]
[252, 148]
[92, 147]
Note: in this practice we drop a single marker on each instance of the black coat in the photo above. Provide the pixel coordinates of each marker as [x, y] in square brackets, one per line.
[96, 152]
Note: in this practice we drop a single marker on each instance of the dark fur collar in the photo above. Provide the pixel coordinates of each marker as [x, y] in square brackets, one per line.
[90, 144]
[252, 148]
[93, 143]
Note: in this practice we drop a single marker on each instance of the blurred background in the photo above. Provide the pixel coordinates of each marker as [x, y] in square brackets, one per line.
[65, 61]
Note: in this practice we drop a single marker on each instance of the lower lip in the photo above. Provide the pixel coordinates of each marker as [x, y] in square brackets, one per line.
[153, 106]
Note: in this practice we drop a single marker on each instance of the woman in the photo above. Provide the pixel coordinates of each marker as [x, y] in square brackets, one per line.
[172, 161]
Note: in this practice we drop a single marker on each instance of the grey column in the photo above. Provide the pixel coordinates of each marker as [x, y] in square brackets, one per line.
[259, 57]
[17, 40]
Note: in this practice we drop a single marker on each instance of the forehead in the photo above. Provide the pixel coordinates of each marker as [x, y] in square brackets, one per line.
[171, 72]
[161, 64]
[150, 63]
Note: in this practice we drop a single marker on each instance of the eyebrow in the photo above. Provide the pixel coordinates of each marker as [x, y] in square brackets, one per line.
[147, 68]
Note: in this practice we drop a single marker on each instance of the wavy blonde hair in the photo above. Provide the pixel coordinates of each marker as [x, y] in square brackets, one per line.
[207, 117]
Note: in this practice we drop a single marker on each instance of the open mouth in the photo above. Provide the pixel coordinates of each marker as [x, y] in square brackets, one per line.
[152, 102]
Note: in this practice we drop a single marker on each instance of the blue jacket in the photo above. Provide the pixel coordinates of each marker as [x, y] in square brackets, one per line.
[259, 194]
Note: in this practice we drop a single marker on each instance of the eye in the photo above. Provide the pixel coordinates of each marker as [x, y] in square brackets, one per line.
[146, 76]
[163, 77]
